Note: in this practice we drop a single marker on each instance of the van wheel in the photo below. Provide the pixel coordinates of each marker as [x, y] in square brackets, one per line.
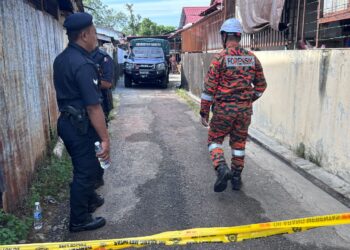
[127, 81]
[164, 82]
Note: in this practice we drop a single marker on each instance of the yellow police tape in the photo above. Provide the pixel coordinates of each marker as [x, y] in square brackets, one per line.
[198, 235]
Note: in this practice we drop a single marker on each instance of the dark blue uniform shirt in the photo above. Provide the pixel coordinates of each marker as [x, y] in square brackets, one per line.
[105, 62]
[76, 78]
[106, 65]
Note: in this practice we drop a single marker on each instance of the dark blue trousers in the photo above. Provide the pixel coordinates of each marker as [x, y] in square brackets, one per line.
[85, 168]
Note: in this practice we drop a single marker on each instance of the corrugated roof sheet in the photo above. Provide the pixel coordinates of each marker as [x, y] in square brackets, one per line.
[194, 11]
[192, 19]
[190, 15]
[116, 35]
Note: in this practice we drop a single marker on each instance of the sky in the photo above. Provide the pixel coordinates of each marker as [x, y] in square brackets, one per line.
[165, 12]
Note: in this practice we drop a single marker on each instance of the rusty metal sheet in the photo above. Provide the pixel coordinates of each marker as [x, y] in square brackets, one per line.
[29, 41]
[203, 35]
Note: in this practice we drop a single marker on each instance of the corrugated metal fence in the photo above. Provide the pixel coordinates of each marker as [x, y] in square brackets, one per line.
[203, 35]
[29, 42]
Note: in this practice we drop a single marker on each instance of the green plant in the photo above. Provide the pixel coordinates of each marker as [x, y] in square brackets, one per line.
[316, 159]
[193, 105]
[13, 229]
[300, 150]
[50, 179]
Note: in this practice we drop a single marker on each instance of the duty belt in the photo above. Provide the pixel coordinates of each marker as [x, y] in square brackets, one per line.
[78, 118]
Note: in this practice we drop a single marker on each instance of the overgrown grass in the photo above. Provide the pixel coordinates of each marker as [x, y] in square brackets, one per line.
[51, 178]
[192, 104]
[300, 150]
[316, 159]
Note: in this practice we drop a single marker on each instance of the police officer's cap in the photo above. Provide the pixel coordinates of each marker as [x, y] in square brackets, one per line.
[77, 21]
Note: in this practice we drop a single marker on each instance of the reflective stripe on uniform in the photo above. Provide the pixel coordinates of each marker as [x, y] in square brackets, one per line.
[258, 94]
[206, 97]
[214, 146]
[236, 152]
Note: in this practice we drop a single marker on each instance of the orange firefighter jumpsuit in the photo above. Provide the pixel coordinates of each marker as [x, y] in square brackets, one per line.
[234, 81]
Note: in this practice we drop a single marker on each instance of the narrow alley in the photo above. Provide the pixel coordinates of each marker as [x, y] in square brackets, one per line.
[113, 115]
[161, 179]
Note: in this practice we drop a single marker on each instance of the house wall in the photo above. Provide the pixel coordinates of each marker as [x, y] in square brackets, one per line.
[29, 41]
[306, 102]
[193, 38]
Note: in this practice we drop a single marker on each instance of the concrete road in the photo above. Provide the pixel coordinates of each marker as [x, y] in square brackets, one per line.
[161, 180]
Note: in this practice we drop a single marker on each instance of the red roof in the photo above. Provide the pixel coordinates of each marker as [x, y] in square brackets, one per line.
[213, 7]
[192, 19]
[191, 15]
[193, 11]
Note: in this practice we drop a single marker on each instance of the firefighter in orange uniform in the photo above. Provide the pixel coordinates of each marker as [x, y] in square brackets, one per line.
[234, 81]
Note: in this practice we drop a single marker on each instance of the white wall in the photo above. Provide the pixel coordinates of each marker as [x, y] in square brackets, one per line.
[308, 101]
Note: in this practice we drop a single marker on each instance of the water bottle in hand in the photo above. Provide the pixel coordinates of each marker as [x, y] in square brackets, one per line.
[98, 149]
[38, 222]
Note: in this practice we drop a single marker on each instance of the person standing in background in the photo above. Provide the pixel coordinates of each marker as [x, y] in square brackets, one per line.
[105, 65]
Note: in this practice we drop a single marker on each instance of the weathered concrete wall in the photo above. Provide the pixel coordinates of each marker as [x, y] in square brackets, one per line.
[29, 41]
[307, 102]
[194, 68]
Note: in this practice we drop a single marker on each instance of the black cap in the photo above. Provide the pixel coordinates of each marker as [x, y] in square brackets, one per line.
[78, 21]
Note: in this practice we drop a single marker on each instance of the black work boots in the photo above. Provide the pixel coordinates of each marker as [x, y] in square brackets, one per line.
[89, 224]
[236, 180]
[224, 174]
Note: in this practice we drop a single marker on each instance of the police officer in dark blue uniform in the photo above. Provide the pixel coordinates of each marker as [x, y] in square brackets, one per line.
[81, 121]
[106, 71]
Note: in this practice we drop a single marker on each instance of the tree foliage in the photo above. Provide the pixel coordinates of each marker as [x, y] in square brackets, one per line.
[149, 28]
[105, 16]
[129, 22]
[133, 22]
[162, 29]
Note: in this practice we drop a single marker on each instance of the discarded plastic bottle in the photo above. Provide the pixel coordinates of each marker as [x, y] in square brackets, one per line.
[98, 149]
[38, 222]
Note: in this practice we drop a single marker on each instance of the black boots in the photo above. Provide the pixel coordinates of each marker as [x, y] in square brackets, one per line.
[224, 174]
[89, 224]
[236, 180]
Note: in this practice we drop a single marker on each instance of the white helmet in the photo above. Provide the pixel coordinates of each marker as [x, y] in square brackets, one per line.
[231, 25]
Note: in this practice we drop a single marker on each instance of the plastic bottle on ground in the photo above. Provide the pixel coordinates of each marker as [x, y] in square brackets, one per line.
[38, 220]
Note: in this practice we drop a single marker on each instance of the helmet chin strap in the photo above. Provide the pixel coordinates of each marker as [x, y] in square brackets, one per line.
[224, 39]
